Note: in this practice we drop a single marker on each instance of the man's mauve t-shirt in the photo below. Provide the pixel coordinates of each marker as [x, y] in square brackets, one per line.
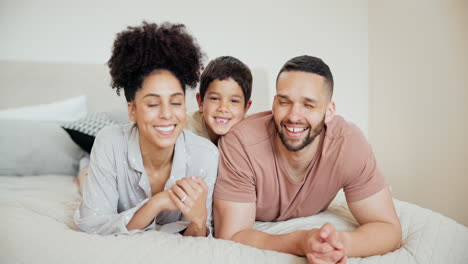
[251, 170]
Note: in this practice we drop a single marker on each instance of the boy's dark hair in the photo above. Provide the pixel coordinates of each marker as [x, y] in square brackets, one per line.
[309, 64]
[139, 51]
[226, 67]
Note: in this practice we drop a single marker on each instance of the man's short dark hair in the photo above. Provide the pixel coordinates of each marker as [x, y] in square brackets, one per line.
[309, 64]
[226, 67]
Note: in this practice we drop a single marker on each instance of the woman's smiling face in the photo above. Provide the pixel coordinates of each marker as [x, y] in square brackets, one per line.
[159, 109]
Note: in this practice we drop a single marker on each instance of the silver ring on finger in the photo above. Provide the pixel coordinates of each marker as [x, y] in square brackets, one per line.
[184, 198]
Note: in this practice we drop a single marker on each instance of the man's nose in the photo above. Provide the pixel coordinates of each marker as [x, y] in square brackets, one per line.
[295, 113]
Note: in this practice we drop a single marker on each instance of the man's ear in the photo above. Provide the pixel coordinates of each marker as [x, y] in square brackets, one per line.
[131, 111]
[273, 104]
[247, 106]
[330, 113]
[200, 102]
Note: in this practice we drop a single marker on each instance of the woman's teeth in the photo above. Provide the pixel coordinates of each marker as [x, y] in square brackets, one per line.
[165, 128]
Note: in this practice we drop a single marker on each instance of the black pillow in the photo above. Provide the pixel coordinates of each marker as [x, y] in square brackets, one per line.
[83, 131]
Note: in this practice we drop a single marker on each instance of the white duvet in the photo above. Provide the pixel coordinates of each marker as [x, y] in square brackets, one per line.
[36, 226]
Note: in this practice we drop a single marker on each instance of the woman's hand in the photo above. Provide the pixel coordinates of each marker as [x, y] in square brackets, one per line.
[189, 195]
[164, 201]
[146, 214]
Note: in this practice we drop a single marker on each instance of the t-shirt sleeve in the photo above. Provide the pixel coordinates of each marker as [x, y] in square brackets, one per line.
[236, 180]
[363, 177]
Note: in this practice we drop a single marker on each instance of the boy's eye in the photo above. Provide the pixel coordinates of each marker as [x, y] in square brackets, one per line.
[283, 102]
[153, 105]
[177, 104]
[309, 106]
[235, 101]
[214, 98]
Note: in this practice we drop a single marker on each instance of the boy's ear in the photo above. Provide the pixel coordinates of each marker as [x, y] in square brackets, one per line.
[200, 102]
[131, 111]
[331, 108]
[247, 106]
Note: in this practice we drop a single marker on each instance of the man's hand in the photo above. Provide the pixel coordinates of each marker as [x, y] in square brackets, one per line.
[324, 245]
[332, 257]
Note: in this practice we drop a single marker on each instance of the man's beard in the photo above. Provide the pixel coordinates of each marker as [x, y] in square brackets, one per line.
[313, 133]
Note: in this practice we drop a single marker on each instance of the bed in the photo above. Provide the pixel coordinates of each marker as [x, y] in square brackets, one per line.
[38, 203]
[37, 227]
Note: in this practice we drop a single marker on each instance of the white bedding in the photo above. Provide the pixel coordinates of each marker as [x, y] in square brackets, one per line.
[36, 226]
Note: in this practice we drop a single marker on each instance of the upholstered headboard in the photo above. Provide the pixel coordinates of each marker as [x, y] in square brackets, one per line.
[31, 83]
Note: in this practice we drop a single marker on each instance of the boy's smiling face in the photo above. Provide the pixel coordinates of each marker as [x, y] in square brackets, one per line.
[223, 106]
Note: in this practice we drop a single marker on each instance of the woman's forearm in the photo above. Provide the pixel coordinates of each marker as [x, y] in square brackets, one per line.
[145, 215]
[196, 230]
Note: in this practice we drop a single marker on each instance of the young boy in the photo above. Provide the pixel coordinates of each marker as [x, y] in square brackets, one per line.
[224, 98]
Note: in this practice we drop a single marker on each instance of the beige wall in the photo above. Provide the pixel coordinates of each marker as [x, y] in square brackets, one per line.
[264, 34]
[418, 101]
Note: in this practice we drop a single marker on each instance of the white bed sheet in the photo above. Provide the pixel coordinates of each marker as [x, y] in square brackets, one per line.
[36, 226]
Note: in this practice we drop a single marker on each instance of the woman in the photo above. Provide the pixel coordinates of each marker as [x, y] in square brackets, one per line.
[151, 174]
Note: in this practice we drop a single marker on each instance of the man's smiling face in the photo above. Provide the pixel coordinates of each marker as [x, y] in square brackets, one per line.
[299, 108]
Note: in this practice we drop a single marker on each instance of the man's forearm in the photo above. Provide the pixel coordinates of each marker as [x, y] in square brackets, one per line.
[371, 239]
[286, 243]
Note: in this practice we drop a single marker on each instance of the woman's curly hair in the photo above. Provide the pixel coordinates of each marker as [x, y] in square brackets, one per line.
[138, 51]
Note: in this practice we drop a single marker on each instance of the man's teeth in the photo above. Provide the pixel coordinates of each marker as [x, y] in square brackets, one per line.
[165, 128]
[223, 120]
[296, 129]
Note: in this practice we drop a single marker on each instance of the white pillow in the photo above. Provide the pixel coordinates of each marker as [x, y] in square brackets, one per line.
[36, 148]
[61, 111]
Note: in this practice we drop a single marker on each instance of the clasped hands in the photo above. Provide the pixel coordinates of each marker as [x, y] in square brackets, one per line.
[189, 196]
[324, 245]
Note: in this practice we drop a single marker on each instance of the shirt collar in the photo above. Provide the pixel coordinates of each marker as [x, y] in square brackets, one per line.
[135, 160]
[179, 161]
[201, 120]
[202, 129]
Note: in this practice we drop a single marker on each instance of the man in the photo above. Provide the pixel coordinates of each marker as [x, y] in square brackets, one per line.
[291, 162]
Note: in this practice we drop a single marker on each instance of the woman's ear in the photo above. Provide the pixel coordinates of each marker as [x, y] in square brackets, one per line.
[330, 113]
[131, 111]
[200, 102]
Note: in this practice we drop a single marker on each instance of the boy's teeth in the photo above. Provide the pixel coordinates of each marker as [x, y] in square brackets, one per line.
[295, 129]
[221, 120]
[165, 128]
